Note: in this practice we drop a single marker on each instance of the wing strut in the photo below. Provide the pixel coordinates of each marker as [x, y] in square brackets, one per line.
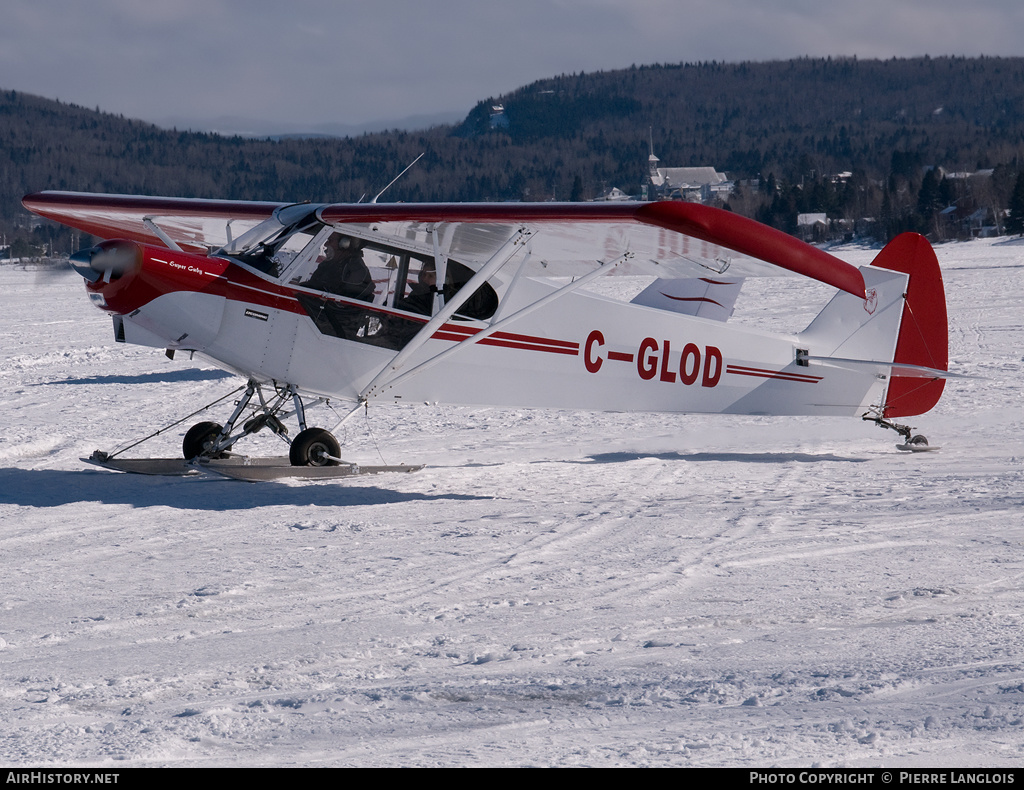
[512, 285]
[602, 269]
[159, 232]
[499, 259]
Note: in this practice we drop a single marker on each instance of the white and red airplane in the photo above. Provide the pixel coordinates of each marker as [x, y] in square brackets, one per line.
[483, 304]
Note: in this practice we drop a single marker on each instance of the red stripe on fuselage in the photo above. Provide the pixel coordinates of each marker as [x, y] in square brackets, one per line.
[168, 271]
[741, 370]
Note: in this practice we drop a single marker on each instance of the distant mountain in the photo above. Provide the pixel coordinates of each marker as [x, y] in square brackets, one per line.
[230, 126]
[783, 127]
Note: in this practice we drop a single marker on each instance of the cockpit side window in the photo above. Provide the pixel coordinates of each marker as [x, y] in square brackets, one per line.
[416, 285]
[343, 270]
[342, 265]
[482, 304]
[389, 277]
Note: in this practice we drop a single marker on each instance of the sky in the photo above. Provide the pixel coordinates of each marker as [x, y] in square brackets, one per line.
[307, 63]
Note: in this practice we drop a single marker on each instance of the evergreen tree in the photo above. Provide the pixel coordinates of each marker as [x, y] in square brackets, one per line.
[576, 195]
[1015, 222]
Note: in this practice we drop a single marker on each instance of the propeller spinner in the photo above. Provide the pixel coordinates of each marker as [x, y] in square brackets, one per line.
[106, 261]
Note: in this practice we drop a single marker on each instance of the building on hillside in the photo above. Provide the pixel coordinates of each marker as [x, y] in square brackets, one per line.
[615, 194]
[954, 222]
[692, 184]
[812, 227]
[498, 119]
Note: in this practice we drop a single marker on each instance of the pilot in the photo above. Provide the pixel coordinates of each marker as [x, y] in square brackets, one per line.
[342, 270]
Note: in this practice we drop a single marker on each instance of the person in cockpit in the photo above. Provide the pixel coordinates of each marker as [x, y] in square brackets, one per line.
[343, 271]
[421, 293]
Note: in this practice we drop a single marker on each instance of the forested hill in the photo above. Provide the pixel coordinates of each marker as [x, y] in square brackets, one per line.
[574, 136]
[784, 117]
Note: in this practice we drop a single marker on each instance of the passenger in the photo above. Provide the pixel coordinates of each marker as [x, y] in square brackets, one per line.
[342, 270]
[484, 301]
[421, 293]
[482, 304]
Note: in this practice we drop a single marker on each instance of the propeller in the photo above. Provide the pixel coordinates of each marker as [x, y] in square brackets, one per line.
[106, 261]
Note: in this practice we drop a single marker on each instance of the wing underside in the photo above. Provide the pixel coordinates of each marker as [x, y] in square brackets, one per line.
[667, 240]
[196, 225]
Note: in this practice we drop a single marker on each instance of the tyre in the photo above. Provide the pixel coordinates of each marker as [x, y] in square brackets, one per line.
[200, 438]
[918, 439]
[314, 447]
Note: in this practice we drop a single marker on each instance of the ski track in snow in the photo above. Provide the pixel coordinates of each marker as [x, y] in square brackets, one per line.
[555, 588]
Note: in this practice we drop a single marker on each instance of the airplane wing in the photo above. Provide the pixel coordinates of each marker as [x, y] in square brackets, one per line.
[195, 225]
[667, 239]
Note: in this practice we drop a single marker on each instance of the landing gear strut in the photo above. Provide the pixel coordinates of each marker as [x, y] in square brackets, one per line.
[913, 442]
[312, 446]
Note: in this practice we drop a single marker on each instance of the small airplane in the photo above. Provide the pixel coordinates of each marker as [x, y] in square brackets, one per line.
[485, 304]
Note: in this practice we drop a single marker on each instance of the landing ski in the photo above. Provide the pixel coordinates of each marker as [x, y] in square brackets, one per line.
[178, 467]
[240, 467]
[917, 447]
[262, 469]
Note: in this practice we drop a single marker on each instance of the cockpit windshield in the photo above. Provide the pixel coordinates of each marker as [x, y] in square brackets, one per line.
[274, 245]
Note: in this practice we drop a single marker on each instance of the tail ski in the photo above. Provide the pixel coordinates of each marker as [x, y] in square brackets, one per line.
[898, 331]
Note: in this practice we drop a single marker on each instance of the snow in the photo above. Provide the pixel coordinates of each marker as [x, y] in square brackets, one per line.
[555, 588]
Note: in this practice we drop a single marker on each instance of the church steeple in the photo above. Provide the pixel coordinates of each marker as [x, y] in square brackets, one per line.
[654, 178]
[652, 160]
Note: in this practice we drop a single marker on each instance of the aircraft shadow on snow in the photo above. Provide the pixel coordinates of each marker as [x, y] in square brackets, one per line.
[171, 376]
[750, 458]
[52, 488]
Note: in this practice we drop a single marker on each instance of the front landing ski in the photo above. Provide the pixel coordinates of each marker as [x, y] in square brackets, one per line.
[254, 470]
[239, 467]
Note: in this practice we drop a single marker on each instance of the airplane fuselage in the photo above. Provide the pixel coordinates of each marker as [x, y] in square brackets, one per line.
[582, 351]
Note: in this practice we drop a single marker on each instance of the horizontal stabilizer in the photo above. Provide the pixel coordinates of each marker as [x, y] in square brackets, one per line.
[888, 368]
[699, 296]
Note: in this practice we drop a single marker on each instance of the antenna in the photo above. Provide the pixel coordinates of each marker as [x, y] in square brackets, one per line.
[393, 180]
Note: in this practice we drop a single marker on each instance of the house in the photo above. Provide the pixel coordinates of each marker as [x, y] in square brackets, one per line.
[812, 227]
[615, 194]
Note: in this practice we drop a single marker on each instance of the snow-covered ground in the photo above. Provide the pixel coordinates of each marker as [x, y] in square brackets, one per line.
[555, 588]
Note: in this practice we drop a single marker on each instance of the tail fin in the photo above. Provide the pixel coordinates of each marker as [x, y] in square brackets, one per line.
[924, 337]
[898, 331]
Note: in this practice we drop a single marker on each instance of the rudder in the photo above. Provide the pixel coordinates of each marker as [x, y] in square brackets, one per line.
[924, 337]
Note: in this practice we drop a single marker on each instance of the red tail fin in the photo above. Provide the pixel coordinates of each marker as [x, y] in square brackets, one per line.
[924, 337]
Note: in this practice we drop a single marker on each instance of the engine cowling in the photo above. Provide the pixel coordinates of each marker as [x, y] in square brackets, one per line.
[158, 297]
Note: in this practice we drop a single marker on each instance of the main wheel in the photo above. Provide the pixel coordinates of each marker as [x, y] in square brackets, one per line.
[314, 447]
[199, 439]
[918, 439]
